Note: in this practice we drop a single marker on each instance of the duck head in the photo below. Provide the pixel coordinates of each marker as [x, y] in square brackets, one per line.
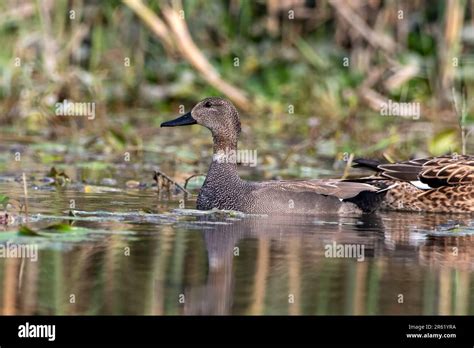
[216, 114]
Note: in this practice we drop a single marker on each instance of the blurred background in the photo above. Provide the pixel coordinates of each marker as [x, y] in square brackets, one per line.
[309, 76]
[311, 79]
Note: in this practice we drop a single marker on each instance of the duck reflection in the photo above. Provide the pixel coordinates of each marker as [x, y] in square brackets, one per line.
[252, 266]
[280, 242]
[294, 250]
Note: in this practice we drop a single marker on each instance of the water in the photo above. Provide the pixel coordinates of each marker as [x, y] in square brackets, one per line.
[133, 251]
[136, 253]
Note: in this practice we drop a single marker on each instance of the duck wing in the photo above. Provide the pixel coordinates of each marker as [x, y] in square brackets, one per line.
[327, 187]
[329, 193]
[448, 171]
[433, 172]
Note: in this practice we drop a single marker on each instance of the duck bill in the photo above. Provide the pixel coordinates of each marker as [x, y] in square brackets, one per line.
[184, 120]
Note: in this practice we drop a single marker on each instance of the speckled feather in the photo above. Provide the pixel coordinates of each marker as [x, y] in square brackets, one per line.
[450, 181]
[224, 189]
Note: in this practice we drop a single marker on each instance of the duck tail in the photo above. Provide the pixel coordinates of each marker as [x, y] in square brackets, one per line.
[369, 201]
[367, 163]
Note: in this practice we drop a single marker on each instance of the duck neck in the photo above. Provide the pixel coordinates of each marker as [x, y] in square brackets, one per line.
[224, 158]
[222, 182]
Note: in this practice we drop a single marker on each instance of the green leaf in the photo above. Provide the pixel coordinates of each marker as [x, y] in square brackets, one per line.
[26, 231]
[59, 228]
[4, 200]
[56, 228]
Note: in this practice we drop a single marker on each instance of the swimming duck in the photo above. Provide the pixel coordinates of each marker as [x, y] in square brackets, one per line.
[224, 189]
[435, 184]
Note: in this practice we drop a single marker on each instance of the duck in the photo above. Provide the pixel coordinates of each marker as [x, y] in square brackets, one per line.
[223, 189]
[439, 184]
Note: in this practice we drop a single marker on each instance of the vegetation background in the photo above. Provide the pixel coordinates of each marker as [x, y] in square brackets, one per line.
[309, 76]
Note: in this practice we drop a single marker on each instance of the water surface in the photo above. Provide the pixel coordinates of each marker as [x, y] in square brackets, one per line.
[133, 250]
[125, 259]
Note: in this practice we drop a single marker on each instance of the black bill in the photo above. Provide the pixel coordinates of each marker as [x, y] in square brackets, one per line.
[184, 120]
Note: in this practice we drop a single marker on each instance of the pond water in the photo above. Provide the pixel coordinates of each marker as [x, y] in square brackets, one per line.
[133, 251]
[122, 260]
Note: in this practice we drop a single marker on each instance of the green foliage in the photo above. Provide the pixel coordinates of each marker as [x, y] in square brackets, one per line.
[299, 63]
[51, 230]
[444, 142]
[4, 201]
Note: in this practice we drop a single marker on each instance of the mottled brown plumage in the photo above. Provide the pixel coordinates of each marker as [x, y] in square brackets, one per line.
[224, 189]
[436, 184]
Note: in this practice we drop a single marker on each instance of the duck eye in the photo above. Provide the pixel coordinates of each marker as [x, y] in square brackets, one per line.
[207, 104]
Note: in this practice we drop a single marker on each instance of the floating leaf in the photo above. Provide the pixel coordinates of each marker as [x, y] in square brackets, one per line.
[132, 184]
[100, 189]
[26, 231]
[51, 230]
[59, 228]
